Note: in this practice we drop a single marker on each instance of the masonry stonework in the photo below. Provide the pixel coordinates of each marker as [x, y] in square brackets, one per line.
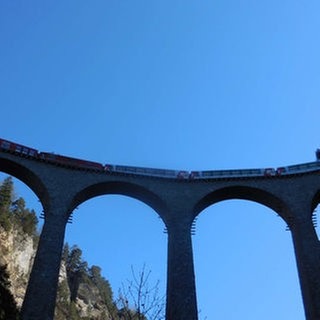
[177, 202]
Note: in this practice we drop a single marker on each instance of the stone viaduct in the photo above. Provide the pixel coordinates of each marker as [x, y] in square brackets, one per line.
[177, 202]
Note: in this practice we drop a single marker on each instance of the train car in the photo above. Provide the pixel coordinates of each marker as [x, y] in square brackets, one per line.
[108, 168]
[129, 169]
[20, 149]
[182, 174]
[71, 162]
[12, 147]
[293, 169]
[163, 173]
[236, 173]
[269, 172]
[301, 168]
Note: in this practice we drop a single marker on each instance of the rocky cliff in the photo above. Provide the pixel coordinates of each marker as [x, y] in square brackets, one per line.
[87, 301]
[16, 253]
[83, 293]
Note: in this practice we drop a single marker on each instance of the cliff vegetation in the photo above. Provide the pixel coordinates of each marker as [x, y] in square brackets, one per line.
[83, 292]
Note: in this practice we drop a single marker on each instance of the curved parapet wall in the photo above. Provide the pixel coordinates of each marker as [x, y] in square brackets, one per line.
[80, 164]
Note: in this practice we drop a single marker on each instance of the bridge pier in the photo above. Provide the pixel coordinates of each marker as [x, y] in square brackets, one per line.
[40, 297]
[181, 289]
[307, 252]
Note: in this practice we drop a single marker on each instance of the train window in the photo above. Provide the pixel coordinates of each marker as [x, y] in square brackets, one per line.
[269, 172]
[5, 145]
[18, 148]
[25, 151]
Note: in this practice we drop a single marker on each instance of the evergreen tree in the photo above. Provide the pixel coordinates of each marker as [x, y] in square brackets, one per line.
[18, 208]
[76, 270]
[74, 261]
[24, 217]
[65, 252]
[8, 307]
[6, 195]
[14, 213]
[103, 285]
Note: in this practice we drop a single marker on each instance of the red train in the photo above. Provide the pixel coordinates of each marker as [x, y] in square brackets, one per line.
[75, 163]
[57, 159]
[18, 148]
[70, 162]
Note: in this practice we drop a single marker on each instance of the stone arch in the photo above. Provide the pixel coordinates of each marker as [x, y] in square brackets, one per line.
[27, 176]
[121, 188]
[243, 193]
[133, 193]
[236, 231]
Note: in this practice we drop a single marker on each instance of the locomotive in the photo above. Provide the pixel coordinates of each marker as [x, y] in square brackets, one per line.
[60, 160]
[25, 151]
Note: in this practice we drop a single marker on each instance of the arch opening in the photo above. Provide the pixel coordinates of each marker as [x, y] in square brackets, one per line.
[25, 175]
[21, 189]
[20, 231]
[243, 193]
[315, 210]
[120, 188]
[245, 265]
[116, 232]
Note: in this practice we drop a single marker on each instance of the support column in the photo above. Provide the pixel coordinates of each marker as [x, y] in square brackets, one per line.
[181, 290]
[307, 251]
[40, 297]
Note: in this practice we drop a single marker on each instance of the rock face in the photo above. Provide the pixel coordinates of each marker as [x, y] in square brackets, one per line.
[83, 293]
[17, 251]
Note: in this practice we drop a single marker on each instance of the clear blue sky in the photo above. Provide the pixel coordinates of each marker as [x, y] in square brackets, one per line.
[172, 84]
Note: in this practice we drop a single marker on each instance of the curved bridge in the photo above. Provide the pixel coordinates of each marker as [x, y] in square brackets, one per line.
[177, 201]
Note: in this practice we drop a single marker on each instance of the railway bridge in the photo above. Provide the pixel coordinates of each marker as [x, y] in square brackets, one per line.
[177, 201]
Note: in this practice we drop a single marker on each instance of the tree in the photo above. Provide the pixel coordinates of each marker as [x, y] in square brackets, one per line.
[138, 300]
[74, 261]
[24, 217]
[8, 307]
[103, 286]
[76, 270]
[65, 252]
[6, 195]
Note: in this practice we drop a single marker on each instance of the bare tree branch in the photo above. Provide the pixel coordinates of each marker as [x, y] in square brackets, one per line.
[138, 300]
